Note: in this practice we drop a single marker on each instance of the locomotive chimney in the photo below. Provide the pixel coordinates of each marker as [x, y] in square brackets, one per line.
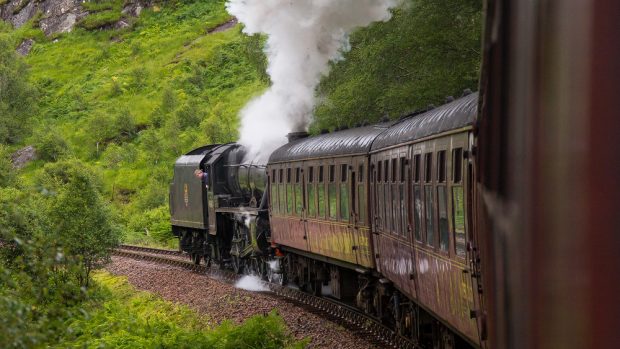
[293, 136]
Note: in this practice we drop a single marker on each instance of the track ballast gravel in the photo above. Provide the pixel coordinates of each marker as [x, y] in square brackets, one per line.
[219, 301]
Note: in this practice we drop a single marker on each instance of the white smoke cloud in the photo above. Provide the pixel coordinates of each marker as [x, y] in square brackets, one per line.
[303, 36]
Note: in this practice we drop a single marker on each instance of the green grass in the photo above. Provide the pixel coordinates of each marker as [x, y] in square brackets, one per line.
[123, 317]
[102, 5]
[100, 19]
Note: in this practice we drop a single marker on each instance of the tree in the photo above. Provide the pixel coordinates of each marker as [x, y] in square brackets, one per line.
[80, 219]
[124, 125]
[17, 96]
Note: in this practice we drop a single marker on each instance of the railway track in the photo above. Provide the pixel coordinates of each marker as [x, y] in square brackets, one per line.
[362, 325]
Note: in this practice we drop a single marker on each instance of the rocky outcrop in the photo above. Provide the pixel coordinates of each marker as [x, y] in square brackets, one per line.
[23, 156]
[25, 47]
[58, 16]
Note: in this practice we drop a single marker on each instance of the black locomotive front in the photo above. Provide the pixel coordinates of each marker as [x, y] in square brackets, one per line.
[224, 219]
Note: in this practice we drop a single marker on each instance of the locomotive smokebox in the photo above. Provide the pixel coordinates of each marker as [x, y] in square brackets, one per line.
[293, 136]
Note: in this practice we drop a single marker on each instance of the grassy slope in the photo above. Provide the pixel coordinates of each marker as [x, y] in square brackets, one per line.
[130, 101]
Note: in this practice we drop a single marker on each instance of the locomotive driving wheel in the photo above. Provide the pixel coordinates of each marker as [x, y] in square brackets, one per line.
[236, 261]
[276, 271]
[258, 267]
[195, 258]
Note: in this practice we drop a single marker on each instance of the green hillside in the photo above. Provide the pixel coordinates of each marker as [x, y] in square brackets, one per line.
[127, 102]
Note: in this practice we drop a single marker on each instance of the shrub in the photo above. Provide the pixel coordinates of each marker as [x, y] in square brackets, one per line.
[51, 146]
[189, 116]
[124, 125]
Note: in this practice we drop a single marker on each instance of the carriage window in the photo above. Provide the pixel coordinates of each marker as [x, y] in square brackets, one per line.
[361, 202]
[344, 201]
[458, 214]
[331, 192]
[441, 166]
[404, 215]
[428, 167]
[386, 196]
[310, 190]
[403, 166]
[457, 165]
[298, 192]
[417, 212]
[281, 192]
[394, 172]
[442, 207]
[360, 173]
[321, 193]
[273, 194]
[379, 172]
[289, 192]
[430, 217]
[416, 164]
[385, 171]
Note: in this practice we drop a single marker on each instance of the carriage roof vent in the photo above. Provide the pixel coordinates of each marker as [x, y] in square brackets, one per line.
[449, 99]
[466, 92]
[293, 136]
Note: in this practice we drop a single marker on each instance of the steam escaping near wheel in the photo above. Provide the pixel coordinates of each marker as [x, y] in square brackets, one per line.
[303, 36]
[251, 283]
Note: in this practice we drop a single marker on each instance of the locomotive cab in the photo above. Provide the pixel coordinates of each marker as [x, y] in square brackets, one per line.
[225, 220]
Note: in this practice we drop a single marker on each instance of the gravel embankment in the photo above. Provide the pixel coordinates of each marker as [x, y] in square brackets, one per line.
[220, 301]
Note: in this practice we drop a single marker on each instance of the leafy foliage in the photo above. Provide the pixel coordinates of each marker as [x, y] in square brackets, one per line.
[7, 175]
[38, 290]
[17, 96]
[428, 50]
[80, 219]
[51, 146]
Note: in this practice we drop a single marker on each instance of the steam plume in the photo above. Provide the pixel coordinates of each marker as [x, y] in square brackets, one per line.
[303, 36]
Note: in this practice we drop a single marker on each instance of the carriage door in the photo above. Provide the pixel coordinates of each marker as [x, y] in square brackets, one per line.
[359, 205]
[309, 180]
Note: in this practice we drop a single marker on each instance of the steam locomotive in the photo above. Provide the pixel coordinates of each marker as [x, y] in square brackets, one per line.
[377, 216]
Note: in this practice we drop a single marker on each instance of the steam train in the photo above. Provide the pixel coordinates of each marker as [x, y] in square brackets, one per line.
[378, 216]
